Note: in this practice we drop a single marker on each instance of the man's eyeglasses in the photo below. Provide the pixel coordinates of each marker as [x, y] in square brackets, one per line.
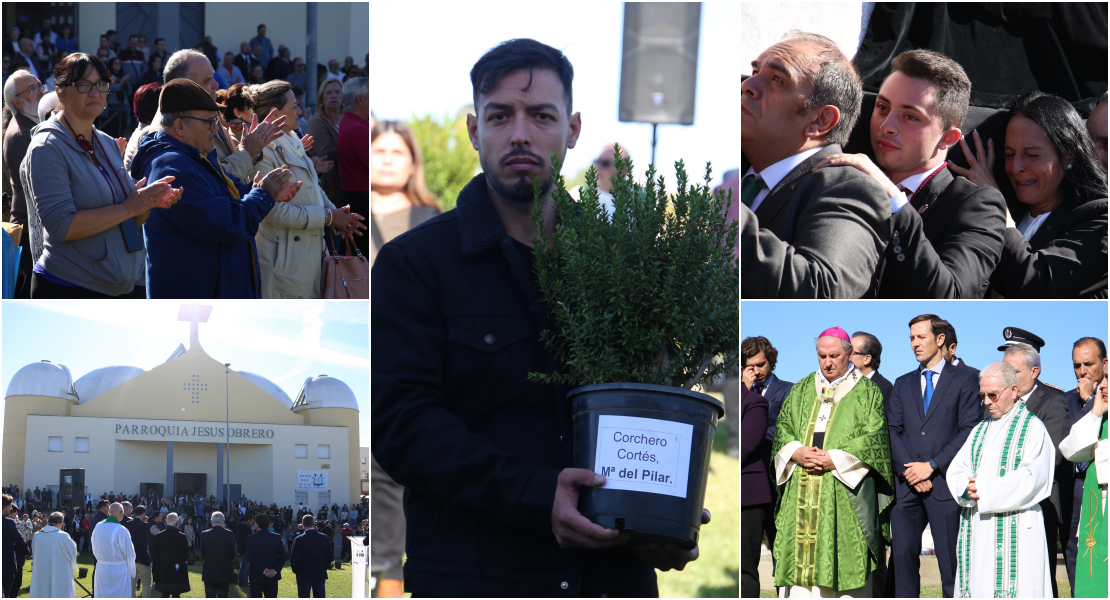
[213, 123]
[32, 89]
[85, 87]
[992, 395]
[604, 164]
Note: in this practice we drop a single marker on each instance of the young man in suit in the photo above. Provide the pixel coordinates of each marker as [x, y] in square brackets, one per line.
[757, 364]
[758, 498]
[946, 233]
[1088, 357]
[266, 556]
[867, 355]
[217, 548]
[805, 234]
[932, 410]
[1048, 404]
[309, 559]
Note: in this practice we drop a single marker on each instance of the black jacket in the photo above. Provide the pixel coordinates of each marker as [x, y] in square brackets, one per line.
[139, 531]
[310, 556]
[264, 551]
[242, 531]
[478, 447]
[1050, 406]
[885, 386]
[1065, 259]
[946, 242]
[171, 557]
[279, 68]
[217, 548]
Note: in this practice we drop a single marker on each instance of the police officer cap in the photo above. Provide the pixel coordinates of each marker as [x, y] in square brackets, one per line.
[1014, 335]
[182, 95]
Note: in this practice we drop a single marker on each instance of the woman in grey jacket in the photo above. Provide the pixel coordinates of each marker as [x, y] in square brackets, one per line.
[85, 211]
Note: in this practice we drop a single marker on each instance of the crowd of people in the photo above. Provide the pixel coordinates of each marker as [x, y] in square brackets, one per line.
[969, 453]
[909, 223]
[200, 529]
[222, 190]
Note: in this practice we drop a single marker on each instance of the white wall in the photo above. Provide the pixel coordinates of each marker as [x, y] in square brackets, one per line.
[762, 24]
[142, 462]
[93, 19]
[342, 27]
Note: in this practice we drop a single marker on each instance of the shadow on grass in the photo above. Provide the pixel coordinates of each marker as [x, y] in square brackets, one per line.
[728, 590]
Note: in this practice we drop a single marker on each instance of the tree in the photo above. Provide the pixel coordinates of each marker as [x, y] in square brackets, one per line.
[449, 160]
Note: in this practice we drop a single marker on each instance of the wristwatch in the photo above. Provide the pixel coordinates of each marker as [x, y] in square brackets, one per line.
[933, 464]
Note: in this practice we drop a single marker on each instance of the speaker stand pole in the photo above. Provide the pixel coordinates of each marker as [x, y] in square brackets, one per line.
[654, 126]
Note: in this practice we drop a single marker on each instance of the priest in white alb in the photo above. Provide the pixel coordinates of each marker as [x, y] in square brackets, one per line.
[115, 556]
[999, 476]
[55, 561]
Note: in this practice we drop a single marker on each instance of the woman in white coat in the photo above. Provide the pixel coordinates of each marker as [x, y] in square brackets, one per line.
[291, 238]
[55, 561]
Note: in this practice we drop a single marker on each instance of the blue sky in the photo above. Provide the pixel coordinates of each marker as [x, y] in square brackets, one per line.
[284, 341]
[425, 53]
[792, 327]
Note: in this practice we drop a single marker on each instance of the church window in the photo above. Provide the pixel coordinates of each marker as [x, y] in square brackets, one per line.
[81, 444]
[54, 444]
[302, 451]
[323, 451]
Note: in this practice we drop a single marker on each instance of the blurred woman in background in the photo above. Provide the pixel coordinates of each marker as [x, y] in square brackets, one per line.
[237, 113]
[399, 197]
[324, 129]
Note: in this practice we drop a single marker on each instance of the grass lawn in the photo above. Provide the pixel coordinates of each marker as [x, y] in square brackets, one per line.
[934, 590]
[338, 584]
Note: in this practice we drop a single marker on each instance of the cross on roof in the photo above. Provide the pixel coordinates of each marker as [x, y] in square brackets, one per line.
[195, 314]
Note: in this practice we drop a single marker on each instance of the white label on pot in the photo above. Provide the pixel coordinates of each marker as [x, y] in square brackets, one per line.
[643, 455]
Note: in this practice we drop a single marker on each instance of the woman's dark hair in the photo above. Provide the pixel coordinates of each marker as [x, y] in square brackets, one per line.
[154, 57]
[73, 67]
[146, 101]
[517, 55]
[111, 63]
[1084, 180]
[233, 98]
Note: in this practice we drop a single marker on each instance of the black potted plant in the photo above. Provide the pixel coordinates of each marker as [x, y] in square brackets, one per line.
[641, 301]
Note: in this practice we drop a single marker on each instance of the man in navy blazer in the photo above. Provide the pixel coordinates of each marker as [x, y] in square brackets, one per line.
[1088, 357]
[756, 504]
[757, 366]
[266, 557]
[867, 355]
[309, 558]
[932, 410]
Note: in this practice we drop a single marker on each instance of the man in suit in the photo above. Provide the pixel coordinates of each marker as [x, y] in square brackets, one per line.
[946, 232]
[757, 365]
[805, 234]
[949, 352]
[932, 410]
[139, 531]
[217, 548]
[1088, 357]
[310, 558]
[867, 355]
[15, 550]
[266, 556]
[242, 531]
[245, 60]
[1048, 404]
[757, 500]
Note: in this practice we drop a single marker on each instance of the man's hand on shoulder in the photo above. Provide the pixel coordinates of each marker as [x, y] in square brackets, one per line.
[863, 163]
[571, 529]
[668, 556]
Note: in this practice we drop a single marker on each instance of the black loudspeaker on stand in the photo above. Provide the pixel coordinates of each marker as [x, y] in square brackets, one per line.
[71, 487]
[659, 64]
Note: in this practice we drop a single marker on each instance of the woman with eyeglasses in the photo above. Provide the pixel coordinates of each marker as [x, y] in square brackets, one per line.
[291, 238]
[86, 213]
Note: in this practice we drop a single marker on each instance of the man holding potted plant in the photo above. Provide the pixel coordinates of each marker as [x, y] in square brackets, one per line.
[483, 451]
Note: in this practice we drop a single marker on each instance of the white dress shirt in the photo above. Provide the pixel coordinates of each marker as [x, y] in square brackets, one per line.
[775, 173]
[1025, 398]
[911, 183]
[1030, 224]
[936, 369]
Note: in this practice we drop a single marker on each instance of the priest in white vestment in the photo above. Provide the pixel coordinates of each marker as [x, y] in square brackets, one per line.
[999, 476]
[55, 560]
[115, 556]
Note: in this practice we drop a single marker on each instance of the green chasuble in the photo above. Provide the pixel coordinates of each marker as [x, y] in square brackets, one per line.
[1090, 567]
[838, 533]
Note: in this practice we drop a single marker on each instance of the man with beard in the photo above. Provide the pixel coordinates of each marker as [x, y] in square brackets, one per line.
[946, 232]
[482, 451]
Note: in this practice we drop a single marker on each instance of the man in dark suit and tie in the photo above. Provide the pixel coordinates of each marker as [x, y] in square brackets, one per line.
[245, 60]
[1088, 357]
[217, 547]
[867, 356]
[1048, 404]
[309, 558]
[757, 366]
[266, 556]
[946, 232]
[805, 234]
[949, 353]
[932, 410]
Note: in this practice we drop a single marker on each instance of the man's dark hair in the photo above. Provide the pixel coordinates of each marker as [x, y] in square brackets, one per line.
[754, 345]
[140, 510]
[953, 88]
[835, 82]
[1092, 340]
[871, 346]
[308, 521]
[104, 37]
[7, 501]
[156, 40]
[1084, 180]
[261, 25]
[950, 336]
[102, 504]
[937, 325]
[110, 32]
[262, 520]
[517, 55]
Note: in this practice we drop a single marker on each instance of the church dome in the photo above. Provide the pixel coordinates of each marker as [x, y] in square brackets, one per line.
[325, 392]
[43, 379]
[269, 387]
[98, 381]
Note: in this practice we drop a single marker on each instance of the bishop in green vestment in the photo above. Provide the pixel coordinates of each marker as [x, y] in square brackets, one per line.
[833, 468]
[1087, 442]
